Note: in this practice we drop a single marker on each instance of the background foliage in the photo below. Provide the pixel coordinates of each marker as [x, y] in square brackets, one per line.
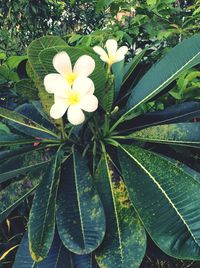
[153, 24]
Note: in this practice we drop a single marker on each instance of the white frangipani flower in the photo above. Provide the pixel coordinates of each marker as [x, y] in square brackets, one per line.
[73, 90]
[113, 54]
[84, 66]
[74, 100]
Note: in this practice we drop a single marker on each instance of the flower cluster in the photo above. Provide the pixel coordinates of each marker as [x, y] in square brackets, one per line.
[72, 88]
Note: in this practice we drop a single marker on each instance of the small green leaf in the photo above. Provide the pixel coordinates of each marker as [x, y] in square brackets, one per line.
[14, 61]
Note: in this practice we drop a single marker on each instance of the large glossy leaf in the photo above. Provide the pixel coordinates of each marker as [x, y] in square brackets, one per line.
[41, 226]
[183, 134]
[16, 192]
[80, 215]
[58, 257]
[174, 114]
[29, 126]
[166, 197]
[46, 58]
[23, 163]
[125, 241]
[38, 69]
[182, 57]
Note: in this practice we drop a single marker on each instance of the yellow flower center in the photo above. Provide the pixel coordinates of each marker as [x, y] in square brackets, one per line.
[111, 59]
[70, 78]
[73, 97]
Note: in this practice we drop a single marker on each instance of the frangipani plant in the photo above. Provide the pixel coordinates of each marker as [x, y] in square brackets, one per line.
[98, 187]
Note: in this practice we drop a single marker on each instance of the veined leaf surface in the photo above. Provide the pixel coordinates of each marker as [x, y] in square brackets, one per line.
[125, 241]
[41, 226]
[80, 215]
[166, 197]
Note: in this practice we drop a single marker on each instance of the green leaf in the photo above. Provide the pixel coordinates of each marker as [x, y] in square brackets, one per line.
[182, 112]
[4, 129]
[58, 257]
[16, 192]
[41, 226]
[23, 163]
[130, 66]
[184, 134]
[166, 197]
[32, 128]
[38, 69]
[9, 139]
[46, 58]
[182, 57]
[118, 71]
[80, 216]
[14, 61]
[4, 74]
[125, 241]
[26, 89]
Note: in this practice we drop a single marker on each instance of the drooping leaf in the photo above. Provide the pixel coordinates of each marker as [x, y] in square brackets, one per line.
[16, 192]
[125, 240]
[183, 134]
[41, 226]
[23, 163]
[166, 197]
[80, 216]
[182, 57]
[46, 58]
[31, 127]
[58, 257]
[174, 114]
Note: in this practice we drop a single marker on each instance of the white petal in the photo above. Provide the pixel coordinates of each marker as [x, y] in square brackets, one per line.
[121, 53]
[100, 51]
[75, 115]
[84, 65]
[89, 103]
[111, 46]
[83, 85]
[55, 83]
[58, 110]
[62, 63]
